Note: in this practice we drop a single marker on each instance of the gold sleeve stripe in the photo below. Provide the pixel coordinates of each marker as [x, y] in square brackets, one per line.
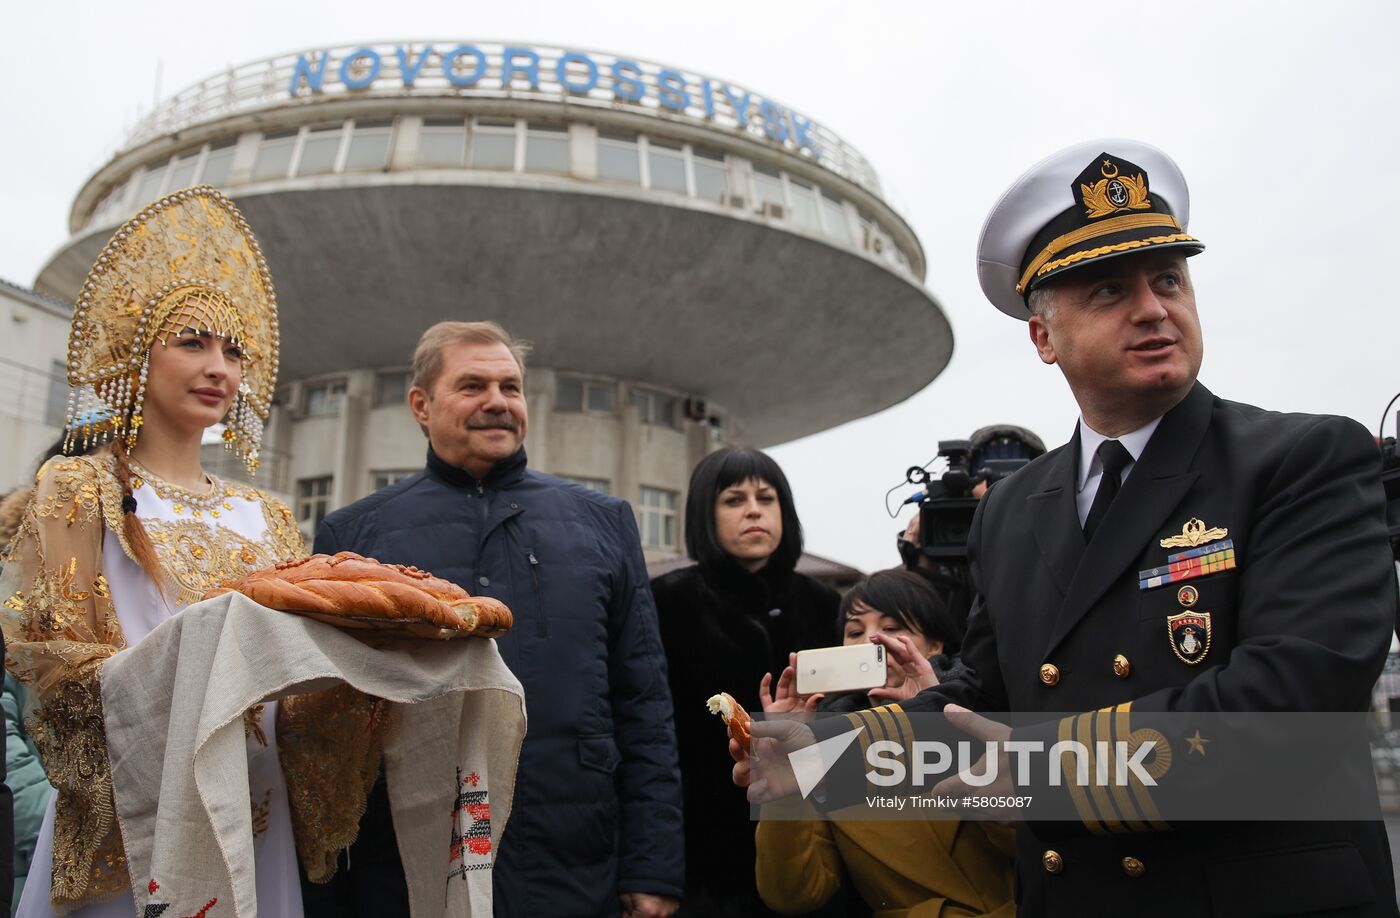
[867, 733]
[885, 717]
[882, 726]
[906, 729]
[1068, 763]
[1118, 731]
[859, 723]
[1094, 731]
[1141, 793]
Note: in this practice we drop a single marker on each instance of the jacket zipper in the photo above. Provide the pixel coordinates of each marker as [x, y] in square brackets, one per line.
[541, 623]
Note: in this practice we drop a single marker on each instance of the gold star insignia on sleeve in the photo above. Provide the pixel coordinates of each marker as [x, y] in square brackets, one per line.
[1197, 744]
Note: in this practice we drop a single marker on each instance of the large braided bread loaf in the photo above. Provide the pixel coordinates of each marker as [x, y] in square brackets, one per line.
[353, 586]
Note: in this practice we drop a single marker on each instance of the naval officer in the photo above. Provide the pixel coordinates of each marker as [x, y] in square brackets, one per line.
[1181, 553]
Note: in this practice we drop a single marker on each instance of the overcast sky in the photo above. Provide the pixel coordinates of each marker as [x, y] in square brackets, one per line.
[1282, 115]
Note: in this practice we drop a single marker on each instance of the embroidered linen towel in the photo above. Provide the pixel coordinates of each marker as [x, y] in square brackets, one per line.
[174, 705]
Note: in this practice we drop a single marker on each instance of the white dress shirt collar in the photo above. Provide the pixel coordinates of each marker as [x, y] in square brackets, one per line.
[1089, 439]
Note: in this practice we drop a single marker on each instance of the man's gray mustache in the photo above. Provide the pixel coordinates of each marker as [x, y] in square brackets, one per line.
[490, 421]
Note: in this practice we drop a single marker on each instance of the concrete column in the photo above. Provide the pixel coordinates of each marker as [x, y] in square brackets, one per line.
[351, 481]
[741, 180]
[245, 153]
[583, 150]
[539, 397]
[404, 154]
[274, 475]
[629, 441]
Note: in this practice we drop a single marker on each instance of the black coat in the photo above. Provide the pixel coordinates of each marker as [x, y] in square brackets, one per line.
[1303, 623]
[597, 797]
[722, 630]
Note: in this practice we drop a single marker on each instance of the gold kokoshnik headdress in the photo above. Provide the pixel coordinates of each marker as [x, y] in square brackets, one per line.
[188, 260]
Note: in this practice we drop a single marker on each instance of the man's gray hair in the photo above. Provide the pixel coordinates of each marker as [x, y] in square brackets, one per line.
[427, 358]
[1041, 301]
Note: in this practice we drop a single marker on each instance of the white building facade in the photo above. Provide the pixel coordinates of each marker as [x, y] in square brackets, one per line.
[694, 263]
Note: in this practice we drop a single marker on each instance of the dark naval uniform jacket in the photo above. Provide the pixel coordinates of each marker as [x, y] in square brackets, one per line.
[1300, 623]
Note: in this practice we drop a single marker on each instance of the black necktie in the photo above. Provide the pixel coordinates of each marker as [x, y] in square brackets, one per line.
[1115, 458]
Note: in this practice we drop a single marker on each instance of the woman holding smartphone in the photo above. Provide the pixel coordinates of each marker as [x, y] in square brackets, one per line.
[901, 869]
[727, 622]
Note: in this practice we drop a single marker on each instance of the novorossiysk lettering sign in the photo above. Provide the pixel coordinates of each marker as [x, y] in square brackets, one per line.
[530, 72]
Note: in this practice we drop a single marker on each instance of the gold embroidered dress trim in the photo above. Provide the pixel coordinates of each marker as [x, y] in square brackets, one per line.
[216, 499]
[199, 555]
[60, 626]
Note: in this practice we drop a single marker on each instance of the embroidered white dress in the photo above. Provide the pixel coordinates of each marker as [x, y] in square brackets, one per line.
[201, 540]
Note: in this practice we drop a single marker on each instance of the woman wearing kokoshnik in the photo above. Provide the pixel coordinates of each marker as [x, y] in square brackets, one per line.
[174, 331]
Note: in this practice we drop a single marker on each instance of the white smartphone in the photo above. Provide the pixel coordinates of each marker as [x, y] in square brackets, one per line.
[840, 669]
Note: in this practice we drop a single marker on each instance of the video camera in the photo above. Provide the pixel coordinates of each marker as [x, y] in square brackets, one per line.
[946, 505]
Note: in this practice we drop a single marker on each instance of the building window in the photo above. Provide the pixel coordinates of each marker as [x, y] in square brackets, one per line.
[618, 159]
[55, 407]
[320, 150]
[493, 145]
[313, 500]
[323, 399]
[655, 407]
[217, 164]
[546, 149]
[274, 156]
[110, 203]
[182, 171]
[391, 476]
[369, 146]
[593, 484]
[391, 388]
[442, 144]
[834, 219]
[656, 518]
[767, 186]
[585, 395]
[150, 186]
[711, 176]
[804, 204]
[666, 167]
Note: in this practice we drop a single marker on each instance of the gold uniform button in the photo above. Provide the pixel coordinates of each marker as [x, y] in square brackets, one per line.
[1121, 667]
[1052, 862]
[1050, 675]
[1134, 867]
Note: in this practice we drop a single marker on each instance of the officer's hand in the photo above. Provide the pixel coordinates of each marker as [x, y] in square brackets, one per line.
[767, 773]
[901, 653]
[786, 700]
[645, 905]
[988, 731]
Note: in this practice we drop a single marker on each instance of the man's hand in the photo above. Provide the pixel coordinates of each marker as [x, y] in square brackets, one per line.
[645, 905]
[786, 700]
[768, 772]
[918, 674]
[980, 728]
[911, 532]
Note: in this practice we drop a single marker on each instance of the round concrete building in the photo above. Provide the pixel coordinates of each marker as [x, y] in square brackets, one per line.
[695, 263]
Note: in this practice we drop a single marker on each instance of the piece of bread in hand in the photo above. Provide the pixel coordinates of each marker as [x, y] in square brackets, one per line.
[353, 586]
[734, 717]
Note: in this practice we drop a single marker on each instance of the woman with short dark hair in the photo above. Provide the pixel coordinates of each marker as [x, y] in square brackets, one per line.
[900, 869]
[727, 622]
